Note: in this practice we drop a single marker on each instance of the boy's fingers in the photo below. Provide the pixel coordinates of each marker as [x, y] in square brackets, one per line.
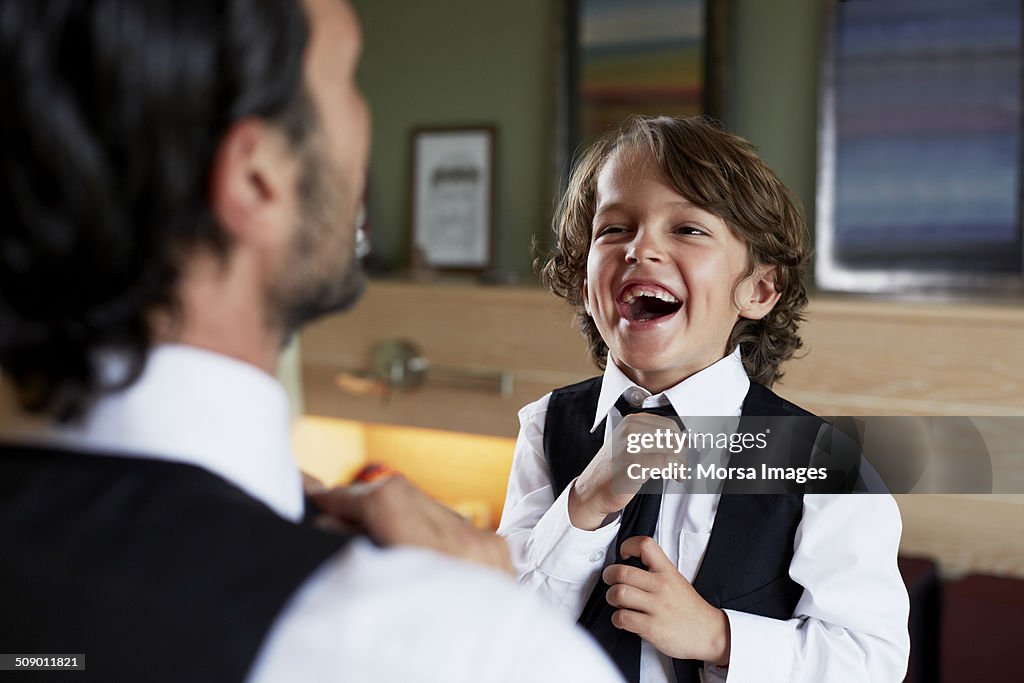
[649, 552]
[632, 621]
[631, 576]
[629, 597]
[644, 422]
[660, 421]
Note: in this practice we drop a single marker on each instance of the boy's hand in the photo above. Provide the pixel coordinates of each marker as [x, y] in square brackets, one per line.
[663, 608]
[603, 488]
[393, 512]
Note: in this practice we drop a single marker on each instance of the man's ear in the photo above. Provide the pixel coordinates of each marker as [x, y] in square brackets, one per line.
[757, 294]
[252, 182]
[586, 297]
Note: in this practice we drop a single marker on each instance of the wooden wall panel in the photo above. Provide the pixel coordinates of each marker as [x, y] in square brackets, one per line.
[860, 358]
[909, 359]
[967, 533]
[519, 330]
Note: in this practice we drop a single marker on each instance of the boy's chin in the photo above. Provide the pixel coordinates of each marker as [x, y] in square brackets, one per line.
[660, 370]
[638, 366]
[647, 355]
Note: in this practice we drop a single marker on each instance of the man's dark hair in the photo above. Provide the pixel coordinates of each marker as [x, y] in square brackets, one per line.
[112, 113]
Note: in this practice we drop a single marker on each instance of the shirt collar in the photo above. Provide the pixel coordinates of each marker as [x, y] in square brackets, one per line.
[718, 389]
[199, 408]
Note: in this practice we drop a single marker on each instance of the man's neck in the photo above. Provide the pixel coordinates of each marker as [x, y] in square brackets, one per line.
[222, 311]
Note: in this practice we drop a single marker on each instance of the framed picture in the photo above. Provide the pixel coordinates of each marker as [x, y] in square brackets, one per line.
[640, 57]
[919, 166]
[453, 197]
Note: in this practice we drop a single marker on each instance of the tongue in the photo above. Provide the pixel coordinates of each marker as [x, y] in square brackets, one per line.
[646, 308]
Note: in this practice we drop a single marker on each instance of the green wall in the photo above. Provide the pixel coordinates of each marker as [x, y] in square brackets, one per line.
[773, 88]
[441, 62]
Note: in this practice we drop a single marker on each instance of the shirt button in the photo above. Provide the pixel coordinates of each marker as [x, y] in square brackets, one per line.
[596, 556]
[635, 396]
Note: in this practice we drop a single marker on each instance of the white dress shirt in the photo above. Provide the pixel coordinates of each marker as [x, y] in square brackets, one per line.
[367, 614]
[851, 621]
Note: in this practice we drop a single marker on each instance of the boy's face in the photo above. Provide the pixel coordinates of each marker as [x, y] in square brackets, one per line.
[661, 275]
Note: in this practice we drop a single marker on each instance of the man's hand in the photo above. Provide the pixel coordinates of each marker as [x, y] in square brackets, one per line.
[603, 488]
[661, 606]
[392, 511]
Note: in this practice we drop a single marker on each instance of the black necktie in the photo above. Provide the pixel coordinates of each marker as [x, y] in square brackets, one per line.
[647, 502]
[639, 518]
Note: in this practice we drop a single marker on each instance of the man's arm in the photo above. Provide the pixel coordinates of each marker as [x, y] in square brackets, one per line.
[393, 512]
[411, 615]
[557, 561]
[412, 612]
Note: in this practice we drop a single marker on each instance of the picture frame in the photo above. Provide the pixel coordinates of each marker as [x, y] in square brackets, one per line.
[920, 149]
[453, 197]
[644, 57]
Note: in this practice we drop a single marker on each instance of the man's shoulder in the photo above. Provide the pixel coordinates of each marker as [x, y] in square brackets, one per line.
[145, 495]
[146, 537]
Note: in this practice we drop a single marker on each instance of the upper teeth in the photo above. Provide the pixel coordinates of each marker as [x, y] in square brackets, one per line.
[631, 294]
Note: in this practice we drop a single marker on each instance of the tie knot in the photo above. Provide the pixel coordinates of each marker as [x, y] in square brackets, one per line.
[626, 408]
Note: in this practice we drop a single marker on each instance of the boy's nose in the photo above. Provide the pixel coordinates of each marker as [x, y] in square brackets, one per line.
[645, 247]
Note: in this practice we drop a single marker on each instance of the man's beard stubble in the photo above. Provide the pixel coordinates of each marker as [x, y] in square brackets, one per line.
[321, 274]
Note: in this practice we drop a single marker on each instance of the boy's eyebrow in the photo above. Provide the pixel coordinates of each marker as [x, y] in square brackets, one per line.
[626, 206]
[606, 208]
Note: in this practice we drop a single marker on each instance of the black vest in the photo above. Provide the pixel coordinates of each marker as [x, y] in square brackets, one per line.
[746, 564]
[156, 571]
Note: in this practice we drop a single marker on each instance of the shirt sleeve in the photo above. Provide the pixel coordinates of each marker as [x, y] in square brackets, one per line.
[557, 561]
[851, 622]
[409, 615]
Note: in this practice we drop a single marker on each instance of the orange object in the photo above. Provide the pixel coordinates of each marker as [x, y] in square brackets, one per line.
[373, 472]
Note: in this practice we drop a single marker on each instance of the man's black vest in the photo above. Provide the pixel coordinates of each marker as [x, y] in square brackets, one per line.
[156, 571]
[746, 564]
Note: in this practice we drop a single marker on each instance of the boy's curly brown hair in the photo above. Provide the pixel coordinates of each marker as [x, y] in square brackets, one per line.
[720, 173]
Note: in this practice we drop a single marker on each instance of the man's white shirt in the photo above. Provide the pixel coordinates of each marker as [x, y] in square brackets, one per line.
[367, 614]
[851, 621]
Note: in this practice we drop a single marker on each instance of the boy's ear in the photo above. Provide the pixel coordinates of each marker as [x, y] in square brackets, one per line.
[252, 181]
[757, 295]
[586, 298]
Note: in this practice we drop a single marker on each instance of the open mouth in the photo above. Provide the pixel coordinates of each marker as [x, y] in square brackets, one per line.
[643, 303]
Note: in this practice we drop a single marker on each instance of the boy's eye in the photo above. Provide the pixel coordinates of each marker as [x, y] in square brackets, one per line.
[690, 230]
[610, 230]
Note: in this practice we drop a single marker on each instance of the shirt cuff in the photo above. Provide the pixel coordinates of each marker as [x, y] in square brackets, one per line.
[760, 649]
[565, 552]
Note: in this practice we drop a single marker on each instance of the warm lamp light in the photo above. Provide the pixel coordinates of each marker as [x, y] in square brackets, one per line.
[468, 472]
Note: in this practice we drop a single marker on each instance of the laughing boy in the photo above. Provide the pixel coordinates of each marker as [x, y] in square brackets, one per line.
[682, 254]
